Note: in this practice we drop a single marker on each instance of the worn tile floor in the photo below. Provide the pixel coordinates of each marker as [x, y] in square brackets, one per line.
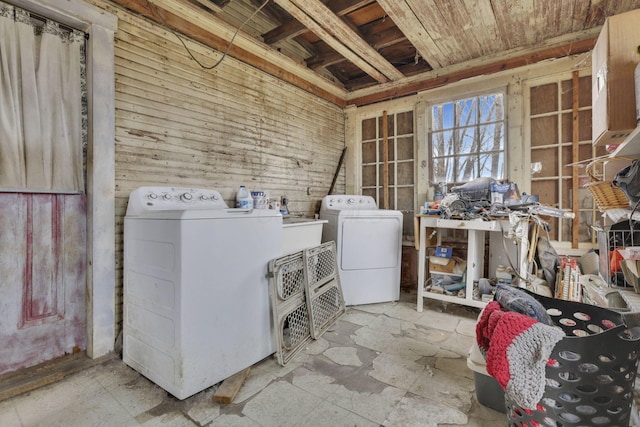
[381, 364]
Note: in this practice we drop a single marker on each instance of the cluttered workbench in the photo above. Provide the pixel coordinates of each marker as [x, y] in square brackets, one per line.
[481, 208]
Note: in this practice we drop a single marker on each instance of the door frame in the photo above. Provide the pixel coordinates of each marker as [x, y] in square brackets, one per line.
[101, 27]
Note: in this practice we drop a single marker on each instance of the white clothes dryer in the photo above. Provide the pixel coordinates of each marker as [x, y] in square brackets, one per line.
[196, 292]
[368, 245]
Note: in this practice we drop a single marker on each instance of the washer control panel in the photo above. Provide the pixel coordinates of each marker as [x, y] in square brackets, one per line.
[354, 202]
[145, 199]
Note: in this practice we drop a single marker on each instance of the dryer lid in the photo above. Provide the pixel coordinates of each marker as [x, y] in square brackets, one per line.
[348, 202]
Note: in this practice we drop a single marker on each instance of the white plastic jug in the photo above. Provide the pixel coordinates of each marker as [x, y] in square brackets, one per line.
[244, 199]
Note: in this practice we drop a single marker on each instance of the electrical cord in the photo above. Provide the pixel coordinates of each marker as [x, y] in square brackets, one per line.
[152, 7]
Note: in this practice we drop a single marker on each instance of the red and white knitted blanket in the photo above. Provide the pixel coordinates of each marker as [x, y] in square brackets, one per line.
[516, 348]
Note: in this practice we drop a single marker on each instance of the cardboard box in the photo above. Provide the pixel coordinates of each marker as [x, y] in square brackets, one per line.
[613, 91]
[630, 252]
[443, 268]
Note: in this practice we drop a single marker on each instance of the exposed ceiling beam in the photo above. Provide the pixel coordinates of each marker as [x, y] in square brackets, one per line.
[337, 34]
[437, 78]
[380, 40]
[286, 31]
[404, 17]
[294, 28]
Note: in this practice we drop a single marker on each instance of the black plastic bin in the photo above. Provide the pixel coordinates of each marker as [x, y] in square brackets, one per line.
[591, 379]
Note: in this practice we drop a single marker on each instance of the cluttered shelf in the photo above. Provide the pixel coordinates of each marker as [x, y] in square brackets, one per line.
[456, 283]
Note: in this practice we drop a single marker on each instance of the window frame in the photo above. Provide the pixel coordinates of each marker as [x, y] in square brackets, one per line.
[562, 244]
[394, 161]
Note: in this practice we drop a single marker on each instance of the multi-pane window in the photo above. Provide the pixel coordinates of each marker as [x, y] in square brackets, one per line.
[551, 134]
[397, 184]
[468, 139]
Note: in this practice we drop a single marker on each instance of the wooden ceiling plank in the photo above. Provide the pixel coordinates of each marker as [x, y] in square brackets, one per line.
[460, 28]
[294, 28]
[595, 14]
[342, 32]
[477, 27]
[406, 20]
[386, 38]
[579, 17]
[440, 24]
[516, 22]
[365, 14]
[483, 27]
[331, 41]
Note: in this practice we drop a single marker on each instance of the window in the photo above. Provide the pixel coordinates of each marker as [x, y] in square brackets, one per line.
[552, 153]
[396, 186]
[44, 131]
[468, 139]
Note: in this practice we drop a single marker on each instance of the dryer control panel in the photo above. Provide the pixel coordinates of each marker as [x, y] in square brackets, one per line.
[345, 201]
[145, 199]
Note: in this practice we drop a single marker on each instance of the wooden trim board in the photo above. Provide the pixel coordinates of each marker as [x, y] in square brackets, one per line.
[230, 387]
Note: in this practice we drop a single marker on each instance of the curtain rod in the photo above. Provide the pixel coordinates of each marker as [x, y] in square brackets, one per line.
[44, 19]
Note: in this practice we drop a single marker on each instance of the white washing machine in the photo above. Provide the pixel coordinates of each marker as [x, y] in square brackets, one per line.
[196, 298]
[369, 247]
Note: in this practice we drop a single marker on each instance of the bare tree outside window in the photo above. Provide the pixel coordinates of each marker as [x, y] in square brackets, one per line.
[468, 139]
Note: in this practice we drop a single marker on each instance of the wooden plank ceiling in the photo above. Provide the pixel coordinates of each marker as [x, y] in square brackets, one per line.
[364, 51]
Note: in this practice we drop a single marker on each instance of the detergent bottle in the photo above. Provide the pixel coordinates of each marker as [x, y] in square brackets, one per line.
[243, 198]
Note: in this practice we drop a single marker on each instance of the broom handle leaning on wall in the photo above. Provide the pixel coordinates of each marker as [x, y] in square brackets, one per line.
[335, 176]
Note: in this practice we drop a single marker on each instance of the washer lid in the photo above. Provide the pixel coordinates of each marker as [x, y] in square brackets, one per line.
[144, 200]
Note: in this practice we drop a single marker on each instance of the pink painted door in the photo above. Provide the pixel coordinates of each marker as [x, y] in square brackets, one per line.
[42, 277]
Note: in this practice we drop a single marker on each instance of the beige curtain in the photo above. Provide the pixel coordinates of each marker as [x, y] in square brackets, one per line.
[41, 91]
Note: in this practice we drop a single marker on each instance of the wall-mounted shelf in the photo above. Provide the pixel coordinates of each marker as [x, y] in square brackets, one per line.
[630, 147]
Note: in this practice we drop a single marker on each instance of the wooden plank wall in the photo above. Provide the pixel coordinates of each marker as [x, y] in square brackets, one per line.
[180, 125]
